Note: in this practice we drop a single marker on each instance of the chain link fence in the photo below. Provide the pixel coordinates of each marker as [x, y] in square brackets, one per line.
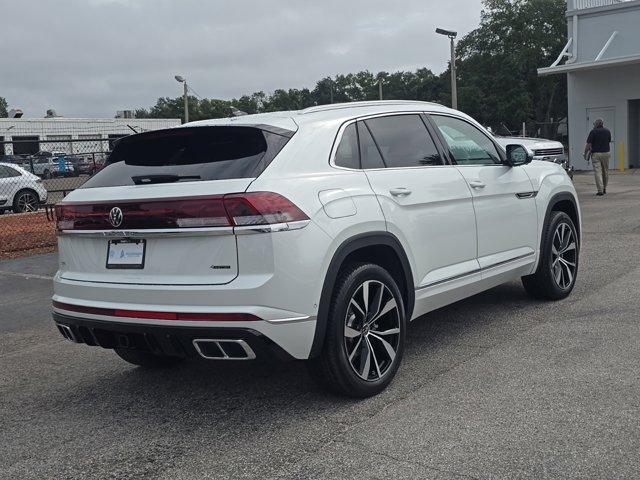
[34, 176]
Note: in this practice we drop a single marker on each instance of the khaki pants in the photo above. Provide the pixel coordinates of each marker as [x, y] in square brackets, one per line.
[601, 170]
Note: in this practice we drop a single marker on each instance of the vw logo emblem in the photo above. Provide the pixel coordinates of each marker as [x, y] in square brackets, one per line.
[116, 216]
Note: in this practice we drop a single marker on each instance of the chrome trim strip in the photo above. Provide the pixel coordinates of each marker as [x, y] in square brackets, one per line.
[245, 346]
[473, 272]
[279, 321]
[449, 279]
[504, 262]
[276, 227]
[522, 195]
[152, 232]
[188, 232]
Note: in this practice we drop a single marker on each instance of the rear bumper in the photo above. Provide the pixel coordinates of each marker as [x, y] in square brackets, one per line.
[177, 341]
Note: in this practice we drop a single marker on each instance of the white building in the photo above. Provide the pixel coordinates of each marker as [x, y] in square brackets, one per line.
[71, 135]
[602, 63]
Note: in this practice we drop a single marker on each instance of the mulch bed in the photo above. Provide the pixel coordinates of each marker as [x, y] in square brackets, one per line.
[26, 234]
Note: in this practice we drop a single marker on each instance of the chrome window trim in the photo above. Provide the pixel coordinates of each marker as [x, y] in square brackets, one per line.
[343, 127]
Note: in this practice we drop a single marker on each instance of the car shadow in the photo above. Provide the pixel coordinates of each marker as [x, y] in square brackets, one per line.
[196, 384]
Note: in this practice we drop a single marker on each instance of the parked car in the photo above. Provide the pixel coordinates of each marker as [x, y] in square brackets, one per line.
[84, 164]
[20, 190]
[542, 149]
[47, 165]
[314, 235]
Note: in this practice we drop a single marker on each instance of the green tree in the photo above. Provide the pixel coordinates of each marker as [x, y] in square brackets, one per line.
[498, 78]
[3, 107]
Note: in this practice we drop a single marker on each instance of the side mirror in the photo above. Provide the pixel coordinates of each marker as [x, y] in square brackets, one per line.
[518, 155]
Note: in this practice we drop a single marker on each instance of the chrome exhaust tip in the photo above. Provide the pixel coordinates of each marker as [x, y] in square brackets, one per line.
[67, 332]
[223, 349]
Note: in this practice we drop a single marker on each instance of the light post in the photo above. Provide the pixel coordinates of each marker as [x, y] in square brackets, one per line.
[454, 88]
[186, 98]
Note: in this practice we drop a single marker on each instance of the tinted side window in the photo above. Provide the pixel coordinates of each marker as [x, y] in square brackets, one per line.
[348, 155]
[404, 141]
[467, 144]
[369, 152]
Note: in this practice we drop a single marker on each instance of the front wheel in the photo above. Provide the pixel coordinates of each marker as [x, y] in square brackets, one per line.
[365, 335]
[145, 359]
[557, 269]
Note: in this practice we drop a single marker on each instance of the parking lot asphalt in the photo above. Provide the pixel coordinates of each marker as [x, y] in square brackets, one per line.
[497, 386]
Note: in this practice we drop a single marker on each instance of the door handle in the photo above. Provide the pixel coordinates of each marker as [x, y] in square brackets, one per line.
[400, 192]
[477, 184]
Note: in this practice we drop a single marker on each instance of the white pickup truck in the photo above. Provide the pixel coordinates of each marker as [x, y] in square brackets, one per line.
[541, 149]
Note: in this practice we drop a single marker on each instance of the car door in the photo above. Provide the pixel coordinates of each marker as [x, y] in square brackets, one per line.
[426, 203]
[503, 196]
[9, 185]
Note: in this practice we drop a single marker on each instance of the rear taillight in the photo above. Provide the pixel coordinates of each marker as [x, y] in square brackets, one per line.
[237, 209]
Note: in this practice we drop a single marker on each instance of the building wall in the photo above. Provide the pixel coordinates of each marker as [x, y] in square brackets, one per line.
[51, 129]
[596, 25]
[596, 89]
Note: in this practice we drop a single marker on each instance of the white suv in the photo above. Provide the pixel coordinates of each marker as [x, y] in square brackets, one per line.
[314, 235]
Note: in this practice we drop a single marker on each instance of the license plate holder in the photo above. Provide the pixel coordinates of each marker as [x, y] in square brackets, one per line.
[126, 254]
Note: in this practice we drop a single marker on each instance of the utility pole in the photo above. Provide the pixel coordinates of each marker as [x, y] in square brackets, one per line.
[454, 87]
[380, 87]
[186, 97]
[330, 91]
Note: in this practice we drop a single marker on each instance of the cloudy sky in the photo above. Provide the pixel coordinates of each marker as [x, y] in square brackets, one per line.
[93, 57]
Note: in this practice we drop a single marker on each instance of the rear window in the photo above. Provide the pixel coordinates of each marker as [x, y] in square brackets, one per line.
[189, 155]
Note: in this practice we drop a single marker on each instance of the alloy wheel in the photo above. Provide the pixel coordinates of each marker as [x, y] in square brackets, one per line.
[372, 330]
[27, 202]
[564, 256]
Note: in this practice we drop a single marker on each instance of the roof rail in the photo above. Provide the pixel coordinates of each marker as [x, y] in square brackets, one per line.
[371, 103]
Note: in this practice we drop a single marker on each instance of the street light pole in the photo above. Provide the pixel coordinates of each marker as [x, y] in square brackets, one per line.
[454, 78]
[186, 97]
[454, 87]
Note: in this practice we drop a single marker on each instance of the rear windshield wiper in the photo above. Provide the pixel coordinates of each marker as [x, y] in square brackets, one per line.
[149, 179]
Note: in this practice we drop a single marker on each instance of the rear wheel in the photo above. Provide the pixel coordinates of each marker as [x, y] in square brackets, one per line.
[146, 359]
[558, 266]
[26, 201]
[365, 333]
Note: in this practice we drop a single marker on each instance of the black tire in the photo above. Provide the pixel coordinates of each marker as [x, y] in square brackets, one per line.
[146, 359]
[26, 200]
[545, 284]
[333, 369]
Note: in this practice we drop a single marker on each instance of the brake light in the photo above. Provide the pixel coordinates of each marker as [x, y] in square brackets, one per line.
[261, 208]
[237, 209]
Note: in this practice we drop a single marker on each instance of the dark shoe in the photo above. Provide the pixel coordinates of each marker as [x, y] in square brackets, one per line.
[604, 192]
[599, 194]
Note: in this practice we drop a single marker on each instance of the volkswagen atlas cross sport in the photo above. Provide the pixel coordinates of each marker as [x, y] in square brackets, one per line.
[314, 235]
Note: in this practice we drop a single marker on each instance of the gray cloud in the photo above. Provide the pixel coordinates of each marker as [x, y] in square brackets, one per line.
[93, 57]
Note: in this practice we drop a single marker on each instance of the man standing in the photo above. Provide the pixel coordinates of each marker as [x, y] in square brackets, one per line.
[598, 144]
